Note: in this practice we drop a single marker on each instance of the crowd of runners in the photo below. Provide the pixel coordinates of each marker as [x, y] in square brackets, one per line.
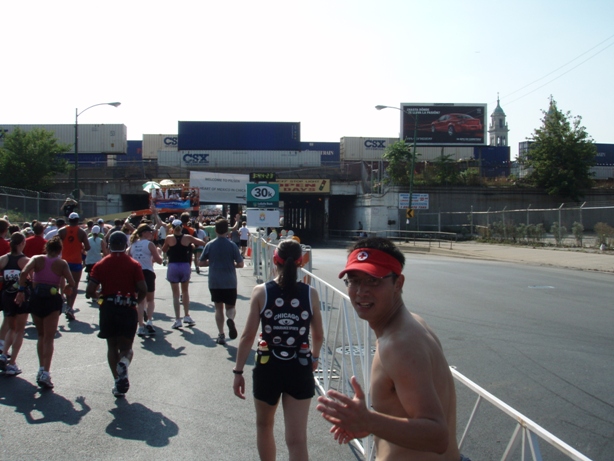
[41, 266]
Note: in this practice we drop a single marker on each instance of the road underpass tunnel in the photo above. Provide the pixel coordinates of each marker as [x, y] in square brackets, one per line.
[305, 215]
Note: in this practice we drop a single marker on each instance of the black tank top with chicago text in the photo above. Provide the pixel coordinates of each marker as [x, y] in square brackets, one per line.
[285, 320]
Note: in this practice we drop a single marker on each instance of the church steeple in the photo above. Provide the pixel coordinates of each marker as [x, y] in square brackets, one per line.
[498, 129]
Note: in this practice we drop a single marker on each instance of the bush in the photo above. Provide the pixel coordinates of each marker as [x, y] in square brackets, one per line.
[559, 233]
[604, 233]
[577, 230]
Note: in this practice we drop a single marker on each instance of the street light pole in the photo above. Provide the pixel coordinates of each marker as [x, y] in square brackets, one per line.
[413, 156]
[75, 192]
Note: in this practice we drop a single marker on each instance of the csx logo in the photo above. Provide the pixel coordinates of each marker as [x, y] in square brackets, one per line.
[170, 141]
[375, 144]
[195, 158]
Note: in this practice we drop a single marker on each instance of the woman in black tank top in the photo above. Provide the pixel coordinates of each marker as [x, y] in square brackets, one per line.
[15, 316]
[178, 248]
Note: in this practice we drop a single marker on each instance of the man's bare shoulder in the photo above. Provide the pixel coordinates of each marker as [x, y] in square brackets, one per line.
[408, 338]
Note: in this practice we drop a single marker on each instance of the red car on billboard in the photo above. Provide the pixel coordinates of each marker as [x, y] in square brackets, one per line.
[456, 123]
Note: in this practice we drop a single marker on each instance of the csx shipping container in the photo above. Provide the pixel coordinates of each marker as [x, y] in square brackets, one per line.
[93, 139]
[153, 143]
[358, 149]
[239, 159]
[329, 151]
[285, 136]
[373, 149]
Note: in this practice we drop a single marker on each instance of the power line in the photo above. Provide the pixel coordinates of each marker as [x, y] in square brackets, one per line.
[559, 68]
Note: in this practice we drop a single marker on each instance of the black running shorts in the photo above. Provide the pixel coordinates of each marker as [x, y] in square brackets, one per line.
[277, 377]
[43, 306]
[117, 321]
[150, 280]
[224, 295]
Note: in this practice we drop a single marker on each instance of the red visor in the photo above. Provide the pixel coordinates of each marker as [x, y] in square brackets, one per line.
[374, 262]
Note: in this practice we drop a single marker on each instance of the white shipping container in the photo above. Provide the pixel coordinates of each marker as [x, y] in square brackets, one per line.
[239, 159]
[93, 139]
[154, 143]
[602, 172]
[364, 148]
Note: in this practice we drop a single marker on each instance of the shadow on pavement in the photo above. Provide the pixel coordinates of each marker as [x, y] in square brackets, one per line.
[134, 421]
[41, 406]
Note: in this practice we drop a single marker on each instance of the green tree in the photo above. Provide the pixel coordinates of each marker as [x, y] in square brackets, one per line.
[29, 160]
[398, 156]
[446, 171]
[561, 155]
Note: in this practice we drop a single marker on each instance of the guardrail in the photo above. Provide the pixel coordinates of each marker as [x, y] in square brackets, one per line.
[347, 338]
[422, 238]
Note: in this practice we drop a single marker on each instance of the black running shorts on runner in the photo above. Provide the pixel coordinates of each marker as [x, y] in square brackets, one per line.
[10, 308]
[150, 280]
[224, 295]
[277, 377]
[43, 306]
[117, 321]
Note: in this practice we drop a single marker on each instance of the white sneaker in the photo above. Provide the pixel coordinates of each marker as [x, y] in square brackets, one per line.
[177, 324]
[12, 370]
[141, 331]
[188, 320]
[45, 380]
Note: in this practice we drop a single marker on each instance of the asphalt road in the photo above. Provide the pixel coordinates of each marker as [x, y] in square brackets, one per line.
[539, 338]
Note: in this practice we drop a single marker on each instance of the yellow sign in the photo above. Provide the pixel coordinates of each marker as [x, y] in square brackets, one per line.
[409, 213]
[304, 186]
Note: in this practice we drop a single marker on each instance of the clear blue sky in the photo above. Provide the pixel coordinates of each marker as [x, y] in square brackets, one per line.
[325, 64]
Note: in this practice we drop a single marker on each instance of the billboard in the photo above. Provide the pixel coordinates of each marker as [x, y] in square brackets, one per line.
[175, 198]
[239, 136]
[219, 187]
[444, 124]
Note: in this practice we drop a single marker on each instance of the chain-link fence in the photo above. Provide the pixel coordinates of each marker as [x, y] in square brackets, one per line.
[569, 224]
[25, 205]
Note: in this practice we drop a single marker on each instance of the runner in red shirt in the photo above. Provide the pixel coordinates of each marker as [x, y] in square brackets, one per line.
[123, 287]
[35, 245]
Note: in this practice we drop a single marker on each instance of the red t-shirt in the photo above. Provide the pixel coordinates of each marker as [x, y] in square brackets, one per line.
[35, 245]
[117, 272]
[5, 247]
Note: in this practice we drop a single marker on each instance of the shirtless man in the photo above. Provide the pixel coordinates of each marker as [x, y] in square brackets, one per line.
[413, 413]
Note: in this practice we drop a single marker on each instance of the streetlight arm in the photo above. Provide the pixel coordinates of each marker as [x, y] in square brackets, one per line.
[114, 104]
[77, 113]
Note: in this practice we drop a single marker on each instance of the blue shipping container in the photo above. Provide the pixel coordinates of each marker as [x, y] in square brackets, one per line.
[239, 136]
[135, 151]
[329, 151]
[605, 154]
[492, 155]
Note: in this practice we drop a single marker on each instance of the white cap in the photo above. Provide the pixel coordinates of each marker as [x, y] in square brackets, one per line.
[95, 230]
[73, 215]
[177, 223]
[100, 221]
